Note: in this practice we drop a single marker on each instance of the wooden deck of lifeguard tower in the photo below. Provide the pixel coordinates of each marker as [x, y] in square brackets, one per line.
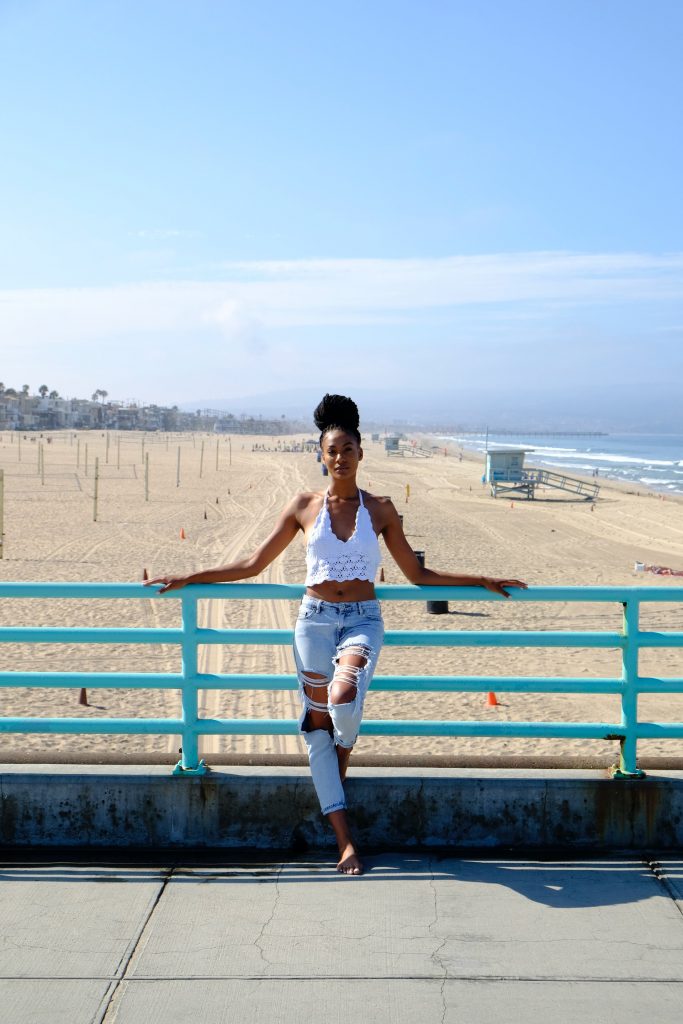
[406, 449]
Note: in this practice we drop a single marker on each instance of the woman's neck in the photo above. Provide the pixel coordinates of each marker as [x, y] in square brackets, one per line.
[344, 489]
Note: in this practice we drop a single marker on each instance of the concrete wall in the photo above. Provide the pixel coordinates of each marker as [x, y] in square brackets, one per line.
[276, 808]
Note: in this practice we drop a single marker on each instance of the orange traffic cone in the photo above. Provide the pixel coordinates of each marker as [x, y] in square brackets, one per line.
[83, 698]
[182, 533]
[145, 574]
[492, 700]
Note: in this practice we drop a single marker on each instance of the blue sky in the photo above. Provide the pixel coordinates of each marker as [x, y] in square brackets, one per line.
[221, 199]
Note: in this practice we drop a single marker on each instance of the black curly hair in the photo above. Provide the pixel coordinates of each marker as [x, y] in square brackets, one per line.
[337, 412]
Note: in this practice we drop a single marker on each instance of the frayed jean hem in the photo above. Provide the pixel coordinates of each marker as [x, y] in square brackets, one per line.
[333, 807]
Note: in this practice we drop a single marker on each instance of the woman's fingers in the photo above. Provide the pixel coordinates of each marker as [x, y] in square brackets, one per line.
[158, 579]
[498, 586]
[168, 583]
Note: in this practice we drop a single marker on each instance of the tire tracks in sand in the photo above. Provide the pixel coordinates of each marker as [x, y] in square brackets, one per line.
[265, 614]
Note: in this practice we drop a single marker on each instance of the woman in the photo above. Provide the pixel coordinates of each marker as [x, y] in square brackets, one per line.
[339, 630]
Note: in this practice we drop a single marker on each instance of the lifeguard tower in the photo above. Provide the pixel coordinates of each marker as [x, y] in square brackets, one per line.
[505, 474]
[397, 444]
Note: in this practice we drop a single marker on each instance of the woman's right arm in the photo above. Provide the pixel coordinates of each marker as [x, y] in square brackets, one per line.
[286, 529]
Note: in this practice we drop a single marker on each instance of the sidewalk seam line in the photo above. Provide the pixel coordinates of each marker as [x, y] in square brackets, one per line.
[660, 875]
[351, 978]
[126, 959]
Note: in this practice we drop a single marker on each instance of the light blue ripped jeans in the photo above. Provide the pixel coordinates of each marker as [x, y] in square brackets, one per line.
[324, 632]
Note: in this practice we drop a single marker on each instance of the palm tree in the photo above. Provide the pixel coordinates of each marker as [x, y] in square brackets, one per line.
[54, 394]
[43, 390]
[24, 389]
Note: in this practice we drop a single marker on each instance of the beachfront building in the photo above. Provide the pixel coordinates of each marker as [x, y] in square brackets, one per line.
[20, 410]
[9, 411]
[53, 413]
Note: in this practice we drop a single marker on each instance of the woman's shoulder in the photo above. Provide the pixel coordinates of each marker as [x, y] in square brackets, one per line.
[305, 507]
[379, 500]
[381, 507]
[306, 500]
[309, 497]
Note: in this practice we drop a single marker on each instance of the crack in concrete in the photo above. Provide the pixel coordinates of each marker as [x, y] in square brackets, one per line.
[259, 937]
[544, 813]
[435, 957]
[420, 811]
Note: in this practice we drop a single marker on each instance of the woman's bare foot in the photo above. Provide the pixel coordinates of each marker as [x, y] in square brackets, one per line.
[343, 755]
[349, 861]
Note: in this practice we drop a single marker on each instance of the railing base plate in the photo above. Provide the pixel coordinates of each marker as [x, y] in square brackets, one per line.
[201, 769]
[619, 773]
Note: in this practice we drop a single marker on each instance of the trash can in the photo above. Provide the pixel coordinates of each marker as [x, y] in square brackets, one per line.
[324, 469]
[433, 607]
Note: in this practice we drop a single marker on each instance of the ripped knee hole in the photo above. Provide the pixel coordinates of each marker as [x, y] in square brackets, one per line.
[314, 679]
[347, 674]
[315, 682]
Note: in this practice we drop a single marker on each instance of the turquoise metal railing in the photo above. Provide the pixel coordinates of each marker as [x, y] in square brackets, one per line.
[190, 727]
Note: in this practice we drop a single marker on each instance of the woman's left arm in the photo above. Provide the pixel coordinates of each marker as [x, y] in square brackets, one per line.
[406, 560]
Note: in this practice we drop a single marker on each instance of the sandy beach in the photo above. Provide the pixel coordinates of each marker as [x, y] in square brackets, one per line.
[226, 502]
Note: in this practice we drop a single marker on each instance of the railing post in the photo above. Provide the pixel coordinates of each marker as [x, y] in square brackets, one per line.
[629, 696]
[189, 763]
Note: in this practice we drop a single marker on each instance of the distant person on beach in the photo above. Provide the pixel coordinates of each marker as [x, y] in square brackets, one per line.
[339, 629]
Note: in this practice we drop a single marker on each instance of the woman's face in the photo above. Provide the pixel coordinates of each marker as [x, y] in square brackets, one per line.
[341, 453]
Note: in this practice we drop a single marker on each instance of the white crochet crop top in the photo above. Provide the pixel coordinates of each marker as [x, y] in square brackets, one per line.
[329, 558]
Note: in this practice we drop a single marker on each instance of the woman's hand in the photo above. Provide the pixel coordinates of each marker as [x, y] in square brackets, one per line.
[169, 583]
[498, 586]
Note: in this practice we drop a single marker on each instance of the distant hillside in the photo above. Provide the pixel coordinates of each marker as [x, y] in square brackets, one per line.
[542, 406]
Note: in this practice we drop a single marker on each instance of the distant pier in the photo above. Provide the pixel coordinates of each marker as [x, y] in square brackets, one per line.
[533, 433]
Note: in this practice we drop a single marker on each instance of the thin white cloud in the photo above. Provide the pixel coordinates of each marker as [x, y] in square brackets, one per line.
[161, 234]
[342, 287]
[254, 297]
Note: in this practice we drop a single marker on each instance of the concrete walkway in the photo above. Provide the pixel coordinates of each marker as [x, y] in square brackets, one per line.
[417, 939]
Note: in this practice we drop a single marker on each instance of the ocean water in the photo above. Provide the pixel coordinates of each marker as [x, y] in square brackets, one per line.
[650, 460]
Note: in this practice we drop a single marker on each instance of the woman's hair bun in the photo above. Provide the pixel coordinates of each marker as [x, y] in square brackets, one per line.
[337, 411]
